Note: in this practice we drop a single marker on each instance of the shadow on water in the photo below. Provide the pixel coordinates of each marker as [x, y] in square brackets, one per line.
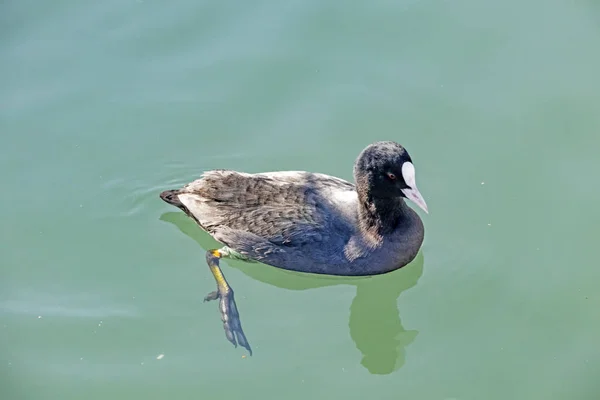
[375, 325]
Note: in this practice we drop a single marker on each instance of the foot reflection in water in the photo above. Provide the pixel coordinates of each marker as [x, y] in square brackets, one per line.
[375, 324]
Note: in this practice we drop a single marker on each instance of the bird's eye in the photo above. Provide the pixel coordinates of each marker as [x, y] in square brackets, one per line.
[391, 176]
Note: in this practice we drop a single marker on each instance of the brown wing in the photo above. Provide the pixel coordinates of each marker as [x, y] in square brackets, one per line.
[287, 208]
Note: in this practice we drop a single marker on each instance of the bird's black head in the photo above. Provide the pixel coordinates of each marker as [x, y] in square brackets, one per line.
[385, 170]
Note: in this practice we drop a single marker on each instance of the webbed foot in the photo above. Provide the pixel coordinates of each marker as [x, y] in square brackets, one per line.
[227, 307]
[231, 318]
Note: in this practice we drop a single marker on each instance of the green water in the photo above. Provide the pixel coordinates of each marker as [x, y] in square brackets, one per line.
[106, 103]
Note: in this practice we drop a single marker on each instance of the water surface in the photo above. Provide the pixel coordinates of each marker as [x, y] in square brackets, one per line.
[105, 104]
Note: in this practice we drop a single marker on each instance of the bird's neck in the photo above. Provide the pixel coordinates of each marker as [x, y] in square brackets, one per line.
[380, 216]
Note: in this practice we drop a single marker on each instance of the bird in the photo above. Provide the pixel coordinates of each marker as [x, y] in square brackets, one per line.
[306, 221]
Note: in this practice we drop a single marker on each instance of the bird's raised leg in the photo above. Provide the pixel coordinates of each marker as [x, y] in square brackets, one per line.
[227, 307]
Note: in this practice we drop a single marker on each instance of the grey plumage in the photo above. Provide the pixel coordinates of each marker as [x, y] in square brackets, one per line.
[312, 222]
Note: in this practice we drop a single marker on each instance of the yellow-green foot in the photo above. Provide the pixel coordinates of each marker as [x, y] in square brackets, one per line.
[227, 307]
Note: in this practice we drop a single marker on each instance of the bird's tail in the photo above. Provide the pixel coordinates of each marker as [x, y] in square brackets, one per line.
[171, 197]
